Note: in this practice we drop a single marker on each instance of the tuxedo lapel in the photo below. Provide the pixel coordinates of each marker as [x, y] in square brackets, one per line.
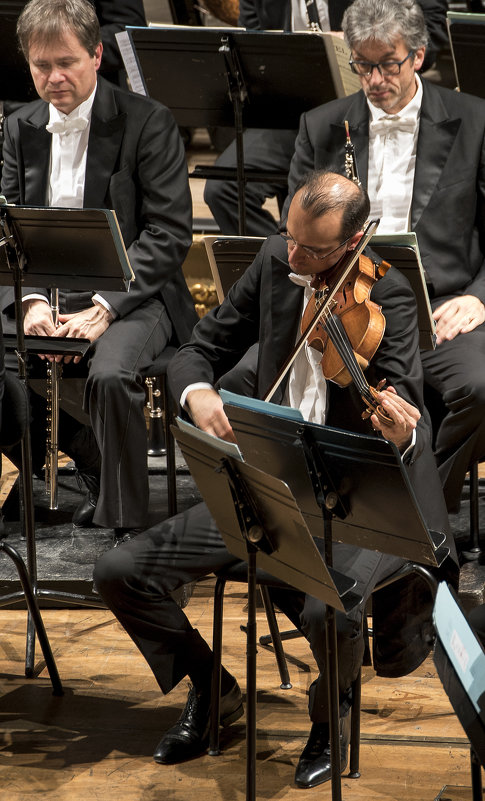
[285, 313]
[105, 138]
[437, 133]
[35, 142]
[357, 115]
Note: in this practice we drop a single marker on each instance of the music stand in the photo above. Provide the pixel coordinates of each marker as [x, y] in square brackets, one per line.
[460, 661]
[190, 70]
[340, 467]
[52, 247]
[402, 251]
[261, 523]
[467, 40]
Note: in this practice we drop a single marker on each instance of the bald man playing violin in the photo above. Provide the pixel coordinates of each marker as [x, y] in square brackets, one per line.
[136, 580]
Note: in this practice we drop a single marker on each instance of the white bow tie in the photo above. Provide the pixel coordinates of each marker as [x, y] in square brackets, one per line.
[389, 124]
[68, 125]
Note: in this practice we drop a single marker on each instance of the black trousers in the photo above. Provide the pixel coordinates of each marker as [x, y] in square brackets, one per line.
[263, 150]
[137, 578]
[456, 371]
[114, 399]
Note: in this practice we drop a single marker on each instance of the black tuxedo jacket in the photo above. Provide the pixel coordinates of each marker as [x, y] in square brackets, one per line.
[276, 15]
[265, 307]
[448, 203]
[135, 165]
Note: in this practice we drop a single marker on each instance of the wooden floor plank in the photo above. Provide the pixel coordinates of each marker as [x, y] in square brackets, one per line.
[95, 743]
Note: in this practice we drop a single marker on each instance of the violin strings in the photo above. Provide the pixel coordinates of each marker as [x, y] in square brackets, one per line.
[343, 345]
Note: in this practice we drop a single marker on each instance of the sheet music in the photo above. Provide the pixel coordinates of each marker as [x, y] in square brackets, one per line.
[131, 62]
[229, 448]
[461, 644]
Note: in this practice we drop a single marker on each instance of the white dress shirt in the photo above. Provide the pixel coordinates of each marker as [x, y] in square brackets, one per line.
[299, 15]
[392, 159]
[67, 168]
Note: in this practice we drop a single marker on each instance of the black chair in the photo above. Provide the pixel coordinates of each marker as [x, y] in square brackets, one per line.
[15, 417]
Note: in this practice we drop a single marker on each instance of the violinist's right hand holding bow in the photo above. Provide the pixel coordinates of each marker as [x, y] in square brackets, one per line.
[405, 417]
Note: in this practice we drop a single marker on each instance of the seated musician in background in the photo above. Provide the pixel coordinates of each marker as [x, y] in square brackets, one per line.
[87, 143]
[419, 150]
[272, 149]
[325, 222]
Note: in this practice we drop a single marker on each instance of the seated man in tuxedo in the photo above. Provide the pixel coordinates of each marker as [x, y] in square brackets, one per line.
[88, 143]
[136, 580]
[272, 149]
[419, 150]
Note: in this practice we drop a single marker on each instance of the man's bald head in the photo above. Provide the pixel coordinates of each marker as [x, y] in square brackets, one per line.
[322, 192]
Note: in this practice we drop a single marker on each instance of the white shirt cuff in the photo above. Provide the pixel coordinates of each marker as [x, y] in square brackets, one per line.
[410, 446]
[197, 385]
[102, 302]
[35, 296]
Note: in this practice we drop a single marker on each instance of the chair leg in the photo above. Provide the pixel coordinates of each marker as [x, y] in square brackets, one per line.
[170, 449]
[473, 552]
[275, 638]
[35, 616]
[354, 765]
[214, 744]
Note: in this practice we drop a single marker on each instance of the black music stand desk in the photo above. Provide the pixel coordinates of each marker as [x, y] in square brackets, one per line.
[355, 507]
[191, 69]
[55, 247]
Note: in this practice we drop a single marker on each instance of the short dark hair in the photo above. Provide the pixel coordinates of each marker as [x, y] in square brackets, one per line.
[318, 197]
[45, 21]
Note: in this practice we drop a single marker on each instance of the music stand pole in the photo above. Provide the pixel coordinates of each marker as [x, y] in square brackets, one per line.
[238, 93]
[16, 264]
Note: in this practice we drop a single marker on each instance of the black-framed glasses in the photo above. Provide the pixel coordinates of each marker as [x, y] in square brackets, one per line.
[314, 253]
[366, 68]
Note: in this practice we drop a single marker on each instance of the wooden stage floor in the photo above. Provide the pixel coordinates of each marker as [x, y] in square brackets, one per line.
[95, 742]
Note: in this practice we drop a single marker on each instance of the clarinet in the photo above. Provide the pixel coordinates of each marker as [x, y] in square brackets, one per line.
[351, 171]
[54, 372]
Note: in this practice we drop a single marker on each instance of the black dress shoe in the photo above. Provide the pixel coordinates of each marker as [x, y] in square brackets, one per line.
[314, 766]
[122, 535]
[190, 735]
[84, 512]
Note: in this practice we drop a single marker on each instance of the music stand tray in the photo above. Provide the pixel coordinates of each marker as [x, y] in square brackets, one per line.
[376, 506]
[66, 248]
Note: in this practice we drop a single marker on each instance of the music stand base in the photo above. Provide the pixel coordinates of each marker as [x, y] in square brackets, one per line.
[452, 792]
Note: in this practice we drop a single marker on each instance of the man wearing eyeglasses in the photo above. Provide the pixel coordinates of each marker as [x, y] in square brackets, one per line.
[136, 580]
[420, 154]
[271, 150]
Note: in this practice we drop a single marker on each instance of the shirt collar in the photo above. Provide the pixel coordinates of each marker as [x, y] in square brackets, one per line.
[83, 110]
[412, 109]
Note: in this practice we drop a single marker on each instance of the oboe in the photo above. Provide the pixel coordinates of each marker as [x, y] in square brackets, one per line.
[54, 372]
[351, 171]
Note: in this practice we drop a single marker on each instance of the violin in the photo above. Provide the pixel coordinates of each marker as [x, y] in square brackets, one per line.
[337, 322]
[350, 330]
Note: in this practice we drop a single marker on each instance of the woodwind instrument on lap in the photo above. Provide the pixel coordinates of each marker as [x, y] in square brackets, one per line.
[54, 372]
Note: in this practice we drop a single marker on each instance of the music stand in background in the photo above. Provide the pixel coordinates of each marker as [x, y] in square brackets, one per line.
[467, 40]
[402, 251]
[55, 247]
[191, 69]
[355, 507]
[460, 661]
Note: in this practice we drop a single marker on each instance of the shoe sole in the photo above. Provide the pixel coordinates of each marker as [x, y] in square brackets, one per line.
[231, 717]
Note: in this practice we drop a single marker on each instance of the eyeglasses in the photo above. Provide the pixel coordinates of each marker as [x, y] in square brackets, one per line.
[366, 68]
[313, 253]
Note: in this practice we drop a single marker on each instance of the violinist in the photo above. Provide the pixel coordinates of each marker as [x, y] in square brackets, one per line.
[325, 222]
[420, 154]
